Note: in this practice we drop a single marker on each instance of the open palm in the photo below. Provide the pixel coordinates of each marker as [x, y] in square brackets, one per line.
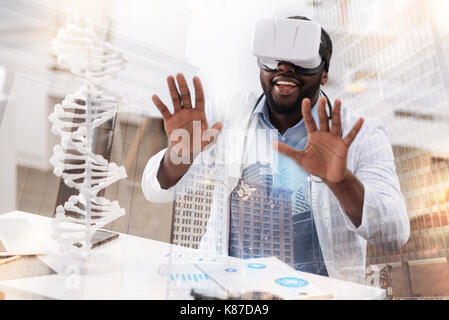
[326, 151]
[186, 118]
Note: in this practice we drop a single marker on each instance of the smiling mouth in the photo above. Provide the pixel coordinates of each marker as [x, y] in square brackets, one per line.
[285, 87]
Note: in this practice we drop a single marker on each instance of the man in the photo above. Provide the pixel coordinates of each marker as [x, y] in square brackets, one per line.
[349, 163]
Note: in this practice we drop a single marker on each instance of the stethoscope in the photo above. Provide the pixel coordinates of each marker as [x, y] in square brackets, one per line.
[243, 190]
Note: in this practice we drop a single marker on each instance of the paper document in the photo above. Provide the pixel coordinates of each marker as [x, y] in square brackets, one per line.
[270, 276]
[17, 237]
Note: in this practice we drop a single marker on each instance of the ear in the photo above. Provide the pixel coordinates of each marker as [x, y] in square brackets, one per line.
[324, 77]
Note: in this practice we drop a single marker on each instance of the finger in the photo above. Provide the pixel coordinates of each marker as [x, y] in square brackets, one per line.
[161, 107]
[322, 115]
[199, 94]
[174, 94]
[336, 129]
[287, 151]
[185, 92]
[354, 132]
[308, 117]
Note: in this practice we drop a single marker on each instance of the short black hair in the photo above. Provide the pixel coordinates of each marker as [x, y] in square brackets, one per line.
[325, 46]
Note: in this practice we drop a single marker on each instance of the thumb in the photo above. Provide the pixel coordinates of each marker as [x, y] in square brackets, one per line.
[286, 150]
[218, 126]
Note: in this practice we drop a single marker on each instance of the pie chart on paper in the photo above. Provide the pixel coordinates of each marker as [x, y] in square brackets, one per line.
[291, 282]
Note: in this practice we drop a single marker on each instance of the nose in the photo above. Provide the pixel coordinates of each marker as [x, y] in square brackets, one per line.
[286, 67]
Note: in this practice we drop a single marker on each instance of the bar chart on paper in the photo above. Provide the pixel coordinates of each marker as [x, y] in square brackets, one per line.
[186, 277]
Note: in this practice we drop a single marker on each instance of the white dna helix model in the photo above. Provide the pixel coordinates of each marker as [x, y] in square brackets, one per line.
[74, 120]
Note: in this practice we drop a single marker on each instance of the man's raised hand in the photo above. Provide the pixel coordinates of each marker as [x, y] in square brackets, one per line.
[187, 128]
[326, 152]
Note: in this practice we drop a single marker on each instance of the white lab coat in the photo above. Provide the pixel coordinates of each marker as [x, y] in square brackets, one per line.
[385, 222]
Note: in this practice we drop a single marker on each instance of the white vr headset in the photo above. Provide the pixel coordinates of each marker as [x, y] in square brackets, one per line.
[288, 40]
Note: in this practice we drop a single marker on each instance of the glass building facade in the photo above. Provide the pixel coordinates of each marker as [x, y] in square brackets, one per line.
[390, 63]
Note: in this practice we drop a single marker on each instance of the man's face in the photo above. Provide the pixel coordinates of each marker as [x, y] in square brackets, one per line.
[286, 89]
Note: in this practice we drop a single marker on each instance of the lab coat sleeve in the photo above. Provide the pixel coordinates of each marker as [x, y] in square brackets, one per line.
[151, 188]
[385, 221]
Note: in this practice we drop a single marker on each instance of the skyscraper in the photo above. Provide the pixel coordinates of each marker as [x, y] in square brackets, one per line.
[390, 64]
[260, 226]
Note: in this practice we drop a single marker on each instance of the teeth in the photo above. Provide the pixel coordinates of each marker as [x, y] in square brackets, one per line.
[286, 83]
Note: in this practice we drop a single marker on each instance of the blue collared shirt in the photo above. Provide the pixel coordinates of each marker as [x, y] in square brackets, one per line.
[289, 173]
[307, 251]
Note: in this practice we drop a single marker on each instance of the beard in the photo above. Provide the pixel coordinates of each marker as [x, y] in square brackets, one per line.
[286, 109]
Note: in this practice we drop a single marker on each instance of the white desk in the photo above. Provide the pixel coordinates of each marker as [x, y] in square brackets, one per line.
[133, 273]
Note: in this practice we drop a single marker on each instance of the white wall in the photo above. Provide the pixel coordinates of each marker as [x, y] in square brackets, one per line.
[152, 35]
[220, 35]
[7, 161]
